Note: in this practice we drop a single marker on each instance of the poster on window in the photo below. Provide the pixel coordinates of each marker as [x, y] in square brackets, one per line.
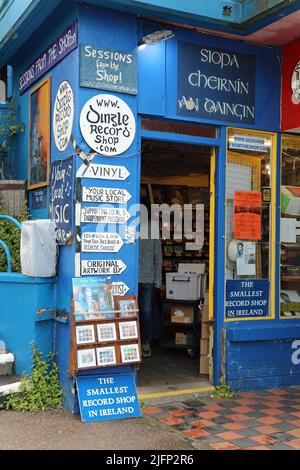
[246, 261]
[247, 215]
[39, 135]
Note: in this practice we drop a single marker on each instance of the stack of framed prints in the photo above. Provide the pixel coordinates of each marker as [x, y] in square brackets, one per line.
[105, 328]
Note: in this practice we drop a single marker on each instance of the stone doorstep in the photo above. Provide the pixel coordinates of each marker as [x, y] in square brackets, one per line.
[7, 389]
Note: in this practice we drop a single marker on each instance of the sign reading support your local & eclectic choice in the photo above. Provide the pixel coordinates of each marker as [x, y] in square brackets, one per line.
[215, 84]
[63, 116]
[247, 299]
[61, 198]
[107, 125]
[100, 267]
[101, 242]
[104, 215]
[108, 397]
[108, 69]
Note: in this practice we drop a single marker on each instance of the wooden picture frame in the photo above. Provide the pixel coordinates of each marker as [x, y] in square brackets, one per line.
[106, 332]
[106, 356]
[126, 306]
[86, 358]
[85, 334]
[128, 330]
[39, 135]
[130, 353]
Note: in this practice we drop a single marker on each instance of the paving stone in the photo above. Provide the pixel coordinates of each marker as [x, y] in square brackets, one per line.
[248, 432]
[221, 420]
[284, 426]
[256, 414]
[281, 447]
[243, 443]
[283, 436]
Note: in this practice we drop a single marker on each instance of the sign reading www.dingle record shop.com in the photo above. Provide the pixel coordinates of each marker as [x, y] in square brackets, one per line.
[107, 397]
[247, 299]
[108, 69]
[107, 125]
[215, 84]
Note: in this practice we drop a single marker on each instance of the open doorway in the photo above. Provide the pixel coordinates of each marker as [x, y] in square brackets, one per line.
[177, 177]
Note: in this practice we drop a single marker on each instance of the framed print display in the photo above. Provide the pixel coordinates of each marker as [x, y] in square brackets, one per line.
[39, 135]
[130, 353]
[128, 330]
[86, 358]
[106, 356]
[93, 298]
[126, 305]
[85, 334]
[106, 332]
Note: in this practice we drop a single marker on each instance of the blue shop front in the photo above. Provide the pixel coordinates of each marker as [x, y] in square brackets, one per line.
[192, 121]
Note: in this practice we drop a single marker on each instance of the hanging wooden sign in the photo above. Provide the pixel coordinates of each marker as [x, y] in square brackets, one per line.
[105, 195]
[101, 242]
[98, 267]
[63, 116]
[103, 172]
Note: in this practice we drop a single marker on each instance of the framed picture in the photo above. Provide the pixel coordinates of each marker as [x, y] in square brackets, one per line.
[106, 332]
[85, 334]
[106, 356]
[126, 305]
[92, 296]
[128, 330]
[86, 358]
[39, 135]
[130, 353]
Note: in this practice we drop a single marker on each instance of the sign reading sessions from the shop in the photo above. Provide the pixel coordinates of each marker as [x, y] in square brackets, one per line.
[107, 125]
[101, 242]
[104, 215]
[108, 69]
[63, 116]
[247, 299]
[98, 267]
[59, 49]
[103, 172]
[105, 195]
[107, 397]
[61, 203]
[215, 84]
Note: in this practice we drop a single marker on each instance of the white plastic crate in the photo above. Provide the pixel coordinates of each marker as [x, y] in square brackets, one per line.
[181, 286]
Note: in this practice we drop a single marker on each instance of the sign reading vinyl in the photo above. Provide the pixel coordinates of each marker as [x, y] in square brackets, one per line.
[107, 125]
[63, 116]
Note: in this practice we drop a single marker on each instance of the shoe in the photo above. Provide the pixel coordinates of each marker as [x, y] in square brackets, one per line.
[146, 350]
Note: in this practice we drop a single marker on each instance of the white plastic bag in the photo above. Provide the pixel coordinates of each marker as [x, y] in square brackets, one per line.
[38, 248]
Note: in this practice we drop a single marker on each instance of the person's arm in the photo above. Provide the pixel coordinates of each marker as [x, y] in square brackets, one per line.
[157, 263]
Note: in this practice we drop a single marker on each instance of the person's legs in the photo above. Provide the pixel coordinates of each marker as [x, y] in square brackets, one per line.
[145, 308]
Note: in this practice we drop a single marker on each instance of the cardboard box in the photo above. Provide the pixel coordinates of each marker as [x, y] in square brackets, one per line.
[205, 330]
[182, 313]
[181, 338]
[204, 346]
[204, 366]
[205, 313]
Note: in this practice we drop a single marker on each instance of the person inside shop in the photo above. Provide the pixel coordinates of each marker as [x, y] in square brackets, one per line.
[150, 277]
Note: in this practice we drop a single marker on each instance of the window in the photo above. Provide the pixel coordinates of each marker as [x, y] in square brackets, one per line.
[250, 225]
[290, 227]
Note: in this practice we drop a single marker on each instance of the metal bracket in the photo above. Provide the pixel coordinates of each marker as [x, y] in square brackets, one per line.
[46, 314]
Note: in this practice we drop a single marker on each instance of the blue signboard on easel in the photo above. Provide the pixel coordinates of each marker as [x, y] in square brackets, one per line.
[107, 397]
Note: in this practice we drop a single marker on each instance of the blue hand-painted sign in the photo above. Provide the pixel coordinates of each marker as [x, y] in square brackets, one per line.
[61, 198]
[247, 298]
[39, 198]
[59, 49]
[107, 69]
[215, 84]
[107, 397]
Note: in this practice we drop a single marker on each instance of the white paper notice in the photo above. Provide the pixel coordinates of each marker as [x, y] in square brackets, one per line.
[288, 230]
[245, 262]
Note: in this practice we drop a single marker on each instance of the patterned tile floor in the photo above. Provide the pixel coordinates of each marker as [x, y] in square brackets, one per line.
[265, 420]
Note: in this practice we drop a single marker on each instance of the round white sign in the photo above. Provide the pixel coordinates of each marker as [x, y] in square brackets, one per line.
[295, 82]
[63, 116]
[107, 125]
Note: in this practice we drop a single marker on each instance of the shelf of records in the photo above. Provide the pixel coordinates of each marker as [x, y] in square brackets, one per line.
[105, 328]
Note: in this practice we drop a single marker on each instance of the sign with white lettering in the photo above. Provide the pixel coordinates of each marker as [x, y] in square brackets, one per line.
[120, 288]
[104, 215]
[105, 195]
[254, 144]
[247, 299]
[101, 242]
[107, 397]
[215, 84]
[103, 172]
[59, 49]
[107, 125]
[63, 116]
[99, 267]
[108, 69]
[61, 198]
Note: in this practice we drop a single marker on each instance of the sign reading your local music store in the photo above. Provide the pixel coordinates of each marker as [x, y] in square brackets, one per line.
[107, 125]
[105, 195]
[215, 84]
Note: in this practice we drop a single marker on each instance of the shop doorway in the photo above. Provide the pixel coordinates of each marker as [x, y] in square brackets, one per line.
[180, 176]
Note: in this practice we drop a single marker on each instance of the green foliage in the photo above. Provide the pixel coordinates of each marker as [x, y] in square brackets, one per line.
[9, 128]
[41, 390]
[224, 391]
[11, 235]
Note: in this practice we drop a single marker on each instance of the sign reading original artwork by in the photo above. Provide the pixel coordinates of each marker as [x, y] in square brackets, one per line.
[215, 84]
[59, 49]
[107, 125]
[247, 299]
[107, 69]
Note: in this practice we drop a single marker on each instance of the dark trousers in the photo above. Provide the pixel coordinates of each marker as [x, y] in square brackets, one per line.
[146, 295]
